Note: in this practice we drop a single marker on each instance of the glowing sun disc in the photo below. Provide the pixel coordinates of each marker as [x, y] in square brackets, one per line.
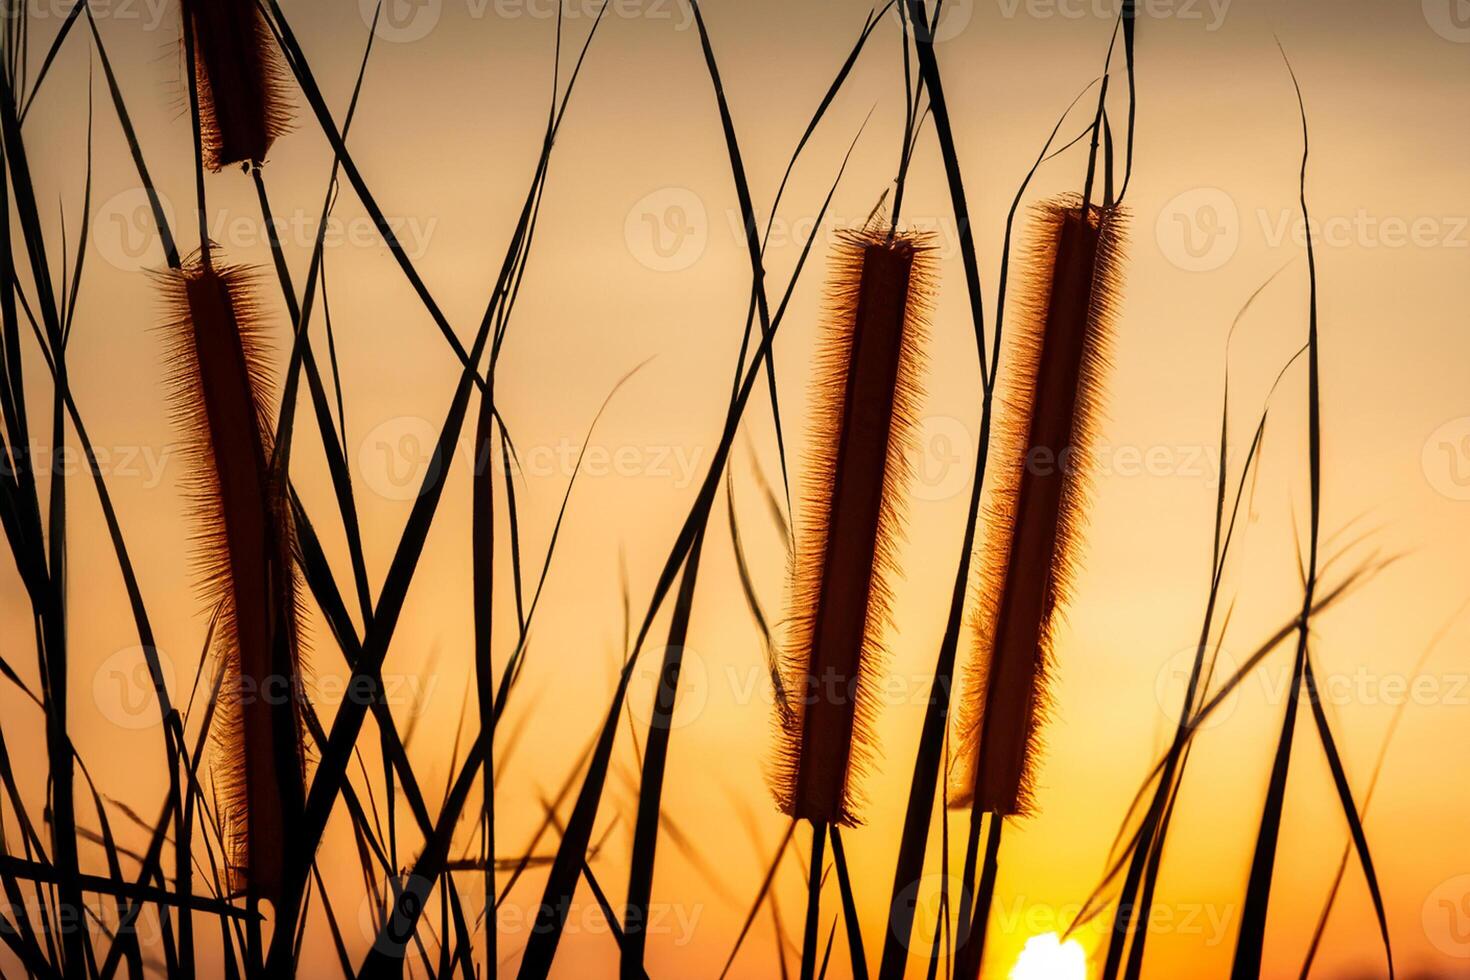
[1048, 958]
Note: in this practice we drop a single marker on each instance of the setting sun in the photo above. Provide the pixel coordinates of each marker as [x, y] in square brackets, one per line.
[1046, 957]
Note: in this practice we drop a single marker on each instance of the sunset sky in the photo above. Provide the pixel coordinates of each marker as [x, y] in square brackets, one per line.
[640, 260]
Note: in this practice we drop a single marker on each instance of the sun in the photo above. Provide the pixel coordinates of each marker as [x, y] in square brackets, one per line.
[1046, 957]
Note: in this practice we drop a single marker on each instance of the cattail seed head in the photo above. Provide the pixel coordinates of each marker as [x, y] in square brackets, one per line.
[240, 81]
[219, 390]
[1036, 509]
[865, 389]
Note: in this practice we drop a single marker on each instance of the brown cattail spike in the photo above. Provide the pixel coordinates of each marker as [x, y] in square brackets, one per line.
[865, 392]
[1037, 503]
[239, 76]
[219, 385]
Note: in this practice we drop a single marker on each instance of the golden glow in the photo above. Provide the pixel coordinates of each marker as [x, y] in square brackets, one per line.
[1046, 957]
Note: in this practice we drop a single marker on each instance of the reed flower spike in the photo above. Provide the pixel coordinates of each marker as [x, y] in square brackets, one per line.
[1037, 503]
[240, 80]
[866, 389]
[220, 393]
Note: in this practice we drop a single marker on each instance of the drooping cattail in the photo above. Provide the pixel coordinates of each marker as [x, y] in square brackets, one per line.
[219, 388]
[865, 391]
[239, 79]
[1035, 513]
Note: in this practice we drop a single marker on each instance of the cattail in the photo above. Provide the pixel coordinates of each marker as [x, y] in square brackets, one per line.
[219, 388]
[865, 391]
[239, 80]
[1035, 514]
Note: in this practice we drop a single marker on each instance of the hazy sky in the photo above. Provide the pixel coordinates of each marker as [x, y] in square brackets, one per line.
[638, 255]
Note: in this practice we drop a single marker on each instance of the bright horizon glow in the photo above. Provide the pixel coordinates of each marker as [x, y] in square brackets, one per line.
[1046, 957]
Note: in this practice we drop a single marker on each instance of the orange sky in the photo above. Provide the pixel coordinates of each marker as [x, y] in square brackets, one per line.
[637, 258]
